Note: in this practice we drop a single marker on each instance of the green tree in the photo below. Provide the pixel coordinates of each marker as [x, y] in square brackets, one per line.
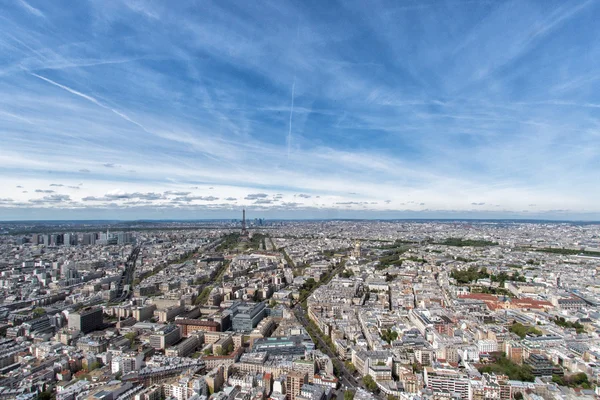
[38, 312]
[350, 367]
[560, 321]
[577, 380]
[349, 395]
[559, 380]
[131, 336]
[93, 366]
[370, 384]
[48, 396]
[522, 330]
[347, 274]
[203, 296]
[226, 350]
[504, 366]
[389, 335]
[469, 275]
[468, 242]
[310, 283]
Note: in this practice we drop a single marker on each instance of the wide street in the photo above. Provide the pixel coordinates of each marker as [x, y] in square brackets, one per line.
[345, 377]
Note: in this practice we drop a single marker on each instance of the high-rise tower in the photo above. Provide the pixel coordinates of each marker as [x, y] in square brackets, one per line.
[244, 230]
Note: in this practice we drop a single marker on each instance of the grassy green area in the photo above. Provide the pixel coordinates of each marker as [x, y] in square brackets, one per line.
[392, 257]
[504, 366]
[398, 243]
[473, 274]
[469, 275]
[458, 242]
[573, 381]
[524, 330]
[492, 290]
[568, 252]
[258, 240]
[331, 253]
[560, 321]
[416, 259]
[230, 241]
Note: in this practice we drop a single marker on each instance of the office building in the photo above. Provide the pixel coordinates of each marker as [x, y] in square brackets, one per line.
[127, 363]
[87, 320]
[89, 238]
[124, 238]
[247, 316]
[166, 337]
[540, 365]
[185, 348]
[441, 380]
[190, 326]
[143, 313]
[279, 346]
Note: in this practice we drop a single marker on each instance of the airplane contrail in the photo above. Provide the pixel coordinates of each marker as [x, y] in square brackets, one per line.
[289, 137]
[91, 99]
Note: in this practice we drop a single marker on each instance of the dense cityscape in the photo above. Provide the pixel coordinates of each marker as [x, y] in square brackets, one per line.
[300, 310]
[299, 200]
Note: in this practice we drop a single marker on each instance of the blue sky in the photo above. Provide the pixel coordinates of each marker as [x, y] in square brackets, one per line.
[306, 109]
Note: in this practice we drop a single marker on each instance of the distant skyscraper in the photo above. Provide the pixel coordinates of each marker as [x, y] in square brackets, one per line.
[56, 239]
[124, 238]
[89, 238]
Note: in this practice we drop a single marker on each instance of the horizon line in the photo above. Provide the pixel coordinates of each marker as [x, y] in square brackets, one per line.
[304, 219]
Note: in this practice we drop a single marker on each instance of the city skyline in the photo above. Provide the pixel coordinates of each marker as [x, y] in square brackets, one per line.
[135, 110]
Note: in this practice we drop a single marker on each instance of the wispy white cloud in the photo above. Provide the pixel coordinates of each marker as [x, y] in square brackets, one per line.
[31, 9]
[404, 120]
